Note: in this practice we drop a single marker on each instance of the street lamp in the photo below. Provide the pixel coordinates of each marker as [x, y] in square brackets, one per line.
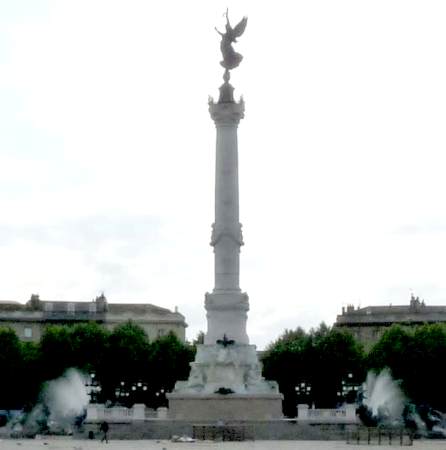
[303, 390]
[93, 387]
[137, 390]
[349, 388]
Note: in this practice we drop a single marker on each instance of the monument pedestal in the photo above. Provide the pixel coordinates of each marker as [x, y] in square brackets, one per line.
[226, 313]
[215, 407]
[225, 383]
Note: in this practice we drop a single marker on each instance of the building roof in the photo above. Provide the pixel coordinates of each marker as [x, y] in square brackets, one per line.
[416, 312]
[98, 310]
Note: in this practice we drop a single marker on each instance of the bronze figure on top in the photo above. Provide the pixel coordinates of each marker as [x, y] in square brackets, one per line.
[231, 59]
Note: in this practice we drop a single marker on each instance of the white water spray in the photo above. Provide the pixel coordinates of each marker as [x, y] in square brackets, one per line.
[384, 397]
[67, 396]
[62, 401]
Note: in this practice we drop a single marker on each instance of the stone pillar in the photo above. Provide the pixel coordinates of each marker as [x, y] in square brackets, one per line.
[92, 412]
[302, 411]
[161, 412]
[139, 411]
[350, 412]
[226, 306]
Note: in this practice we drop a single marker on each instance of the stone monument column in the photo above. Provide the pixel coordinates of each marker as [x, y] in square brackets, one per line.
[226, 306]
[225, 380]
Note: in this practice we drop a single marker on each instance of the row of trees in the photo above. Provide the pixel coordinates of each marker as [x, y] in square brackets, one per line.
[326, 366]
[323, 366]
[417, 358]
[311, 367]
[126, 367]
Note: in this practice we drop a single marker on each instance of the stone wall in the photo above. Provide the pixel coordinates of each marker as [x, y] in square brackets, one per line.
[346, 414]
[258, 430]
[225, 407]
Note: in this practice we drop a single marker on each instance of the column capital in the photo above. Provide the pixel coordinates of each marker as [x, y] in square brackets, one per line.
[234, 232]
[226, 113]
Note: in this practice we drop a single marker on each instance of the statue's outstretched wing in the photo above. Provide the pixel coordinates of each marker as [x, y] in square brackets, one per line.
[240, 27]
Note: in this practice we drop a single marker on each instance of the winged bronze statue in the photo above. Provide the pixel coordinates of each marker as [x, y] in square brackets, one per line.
[225, 341]
[231, 59]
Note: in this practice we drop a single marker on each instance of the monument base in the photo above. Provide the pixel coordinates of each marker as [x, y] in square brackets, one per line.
[215, 407]
[226, 368]
[225, 383]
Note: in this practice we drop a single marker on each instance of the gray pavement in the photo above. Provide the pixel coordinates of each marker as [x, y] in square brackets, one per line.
[64, 443]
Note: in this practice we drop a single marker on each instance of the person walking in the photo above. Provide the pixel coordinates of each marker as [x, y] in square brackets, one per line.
[104, 428]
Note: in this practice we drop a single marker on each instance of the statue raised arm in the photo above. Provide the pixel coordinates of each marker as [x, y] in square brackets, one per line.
[231, 59]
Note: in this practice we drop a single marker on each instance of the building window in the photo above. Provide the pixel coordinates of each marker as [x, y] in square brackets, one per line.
[92, 307]
[161, 332]
[28, 332]
[70, 308]
[48, 307]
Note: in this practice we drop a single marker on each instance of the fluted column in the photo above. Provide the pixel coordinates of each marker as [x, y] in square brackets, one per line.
[226, 234]
[226, 306]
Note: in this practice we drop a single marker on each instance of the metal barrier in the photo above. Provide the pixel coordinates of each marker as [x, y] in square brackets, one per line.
[380, 436]
[221, 432]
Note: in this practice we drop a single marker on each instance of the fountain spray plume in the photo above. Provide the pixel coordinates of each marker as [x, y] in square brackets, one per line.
[383, 401]
[63, 401]
[66, 397]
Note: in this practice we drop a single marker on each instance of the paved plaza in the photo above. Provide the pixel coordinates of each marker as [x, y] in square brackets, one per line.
[62, 444]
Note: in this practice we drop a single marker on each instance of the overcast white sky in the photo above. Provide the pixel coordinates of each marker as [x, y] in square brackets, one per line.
[107, 154]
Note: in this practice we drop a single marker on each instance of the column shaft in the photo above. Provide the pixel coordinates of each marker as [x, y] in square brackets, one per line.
[227, 227]
[226, 306]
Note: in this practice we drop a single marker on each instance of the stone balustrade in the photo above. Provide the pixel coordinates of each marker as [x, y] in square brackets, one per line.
[139, 412]
[98, 413]
[346, 414]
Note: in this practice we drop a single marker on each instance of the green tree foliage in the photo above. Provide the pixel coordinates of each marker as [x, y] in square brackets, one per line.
[321, 359]
[30, 376]
[287, 360]
[199, 339]
[132, 359]
[10, 368]
[89, 342]
[338, 354]
[123, 355]
[428, 374]
[20, 371]
[56, 351]
[394, 351]
[82, 346]
[126, 358]
[169, 361]
[416, 358]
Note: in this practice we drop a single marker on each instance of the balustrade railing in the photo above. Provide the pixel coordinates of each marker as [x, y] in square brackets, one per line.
[345, 414]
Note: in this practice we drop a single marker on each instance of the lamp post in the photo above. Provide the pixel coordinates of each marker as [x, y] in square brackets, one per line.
[93, 387]
[122, 393]
[303, 392]
[160, 397]
[138, 390]
[349, 389]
